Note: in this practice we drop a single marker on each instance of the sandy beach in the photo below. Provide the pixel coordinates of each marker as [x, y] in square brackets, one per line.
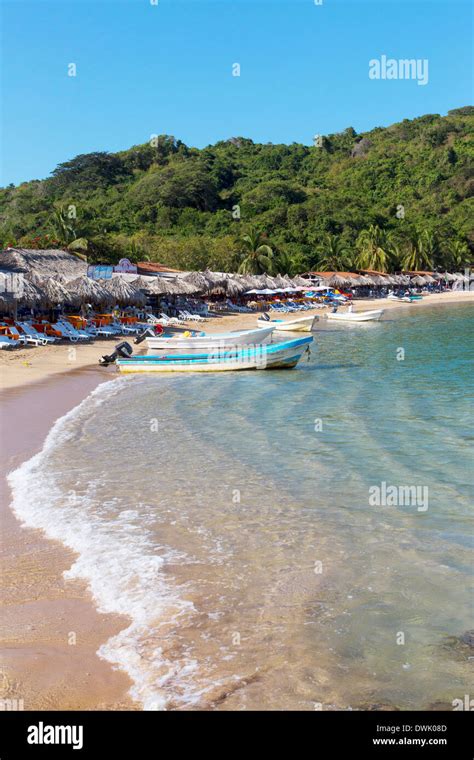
[27, 365]
[50, 629]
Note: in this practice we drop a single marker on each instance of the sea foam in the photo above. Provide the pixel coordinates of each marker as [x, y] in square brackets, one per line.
[117, 558]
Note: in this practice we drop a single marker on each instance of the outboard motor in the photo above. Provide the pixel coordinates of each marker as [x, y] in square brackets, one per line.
[149, 332]
[122, 350]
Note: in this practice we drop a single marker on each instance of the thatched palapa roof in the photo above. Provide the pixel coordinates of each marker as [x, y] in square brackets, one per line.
[123, 292]
[43, 263]
[90, 291]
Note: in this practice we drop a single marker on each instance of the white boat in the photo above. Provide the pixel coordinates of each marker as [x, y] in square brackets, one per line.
[356, 316]
[283, 355]
[405, 299]
[209, 342]
[301, 324]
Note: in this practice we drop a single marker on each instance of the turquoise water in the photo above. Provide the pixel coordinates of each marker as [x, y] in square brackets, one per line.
[231, 517]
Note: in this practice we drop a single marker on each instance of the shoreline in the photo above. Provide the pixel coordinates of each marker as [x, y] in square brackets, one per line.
[42, 613]
[24, 366]
[41, 609]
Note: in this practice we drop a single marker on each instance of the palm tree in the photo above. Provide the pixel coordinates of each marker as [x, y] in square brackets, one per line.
[421, 252]
[290, 263]
[458, 255]
[65, 232]
[334, 256]
[375, 248]
[256, 256]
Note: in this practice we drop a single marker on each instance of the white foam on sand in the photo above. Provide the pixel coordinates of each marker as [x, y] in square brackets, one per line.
[117, 558]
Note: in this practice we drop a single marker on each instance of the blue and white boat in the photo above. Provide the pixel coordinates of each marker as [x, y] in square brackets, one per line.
[283, 355]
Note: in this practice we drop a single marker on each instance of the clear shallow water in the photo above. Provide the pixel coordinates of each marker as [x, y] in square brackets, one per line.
[229, 516]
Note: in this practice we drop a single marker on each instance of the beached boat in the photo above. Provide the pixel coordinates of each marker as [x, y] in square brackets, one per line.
[403, 299]
[210, 342]
[301, 324]
[356, 316]
[283, 355]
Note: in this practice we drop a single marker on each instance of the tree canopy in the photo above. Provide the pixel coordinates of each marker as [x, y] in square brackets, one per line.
[385, 198]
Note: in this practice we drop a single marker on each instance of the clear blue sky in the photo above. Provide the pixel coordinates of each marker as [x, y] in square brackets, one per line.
[145, 69]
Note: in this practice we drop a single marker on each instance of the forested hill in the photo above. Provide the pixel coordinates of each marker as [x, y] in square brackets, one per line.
[190, 208]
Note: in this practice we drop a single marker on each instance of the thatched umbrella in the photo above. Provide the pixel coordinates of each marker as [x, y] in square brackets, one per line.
[297, 282]
[280, 281]
[141, 284]
[181, 287]
[337, 281]
[123, 292]
[251, 281]
[86, 290]
[234, 287]
[199, 281]
[162, 286]
[55, 294]
[217, 279]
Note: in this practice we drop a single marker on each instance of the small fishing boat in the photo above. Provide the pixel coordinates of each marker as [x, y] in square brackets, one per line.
[356, 316]
[283, 355]
[205, 342]
[404, 299]
[301, 324]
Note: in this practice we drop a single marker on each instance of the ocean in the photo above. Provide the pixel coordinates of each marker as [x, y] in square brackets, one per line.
[279, 540]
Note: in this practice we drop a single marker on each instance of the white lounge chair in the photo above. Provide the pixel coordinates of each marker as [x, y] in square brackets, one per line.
[6, 342]
[32, 336]
[69, 331]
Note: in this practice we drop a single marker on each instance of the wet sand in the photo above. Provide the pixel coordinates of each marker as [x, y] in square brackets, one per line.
[50, 630]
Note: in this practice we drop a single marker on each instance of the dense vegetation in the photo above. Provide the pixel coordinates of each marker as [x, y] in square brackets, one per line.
[390, 198]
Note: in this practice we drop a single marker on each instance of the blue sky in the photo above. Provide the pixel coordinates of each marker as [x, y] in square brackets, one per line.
[146, 69]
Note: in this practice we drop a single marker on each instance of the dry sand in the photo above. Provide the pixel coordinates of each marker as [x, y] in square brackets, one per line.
[40, 609]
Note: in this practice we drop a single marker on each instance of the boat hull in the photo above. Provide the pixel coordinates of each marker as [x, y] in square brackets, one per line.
[211, 342]
[274, 356]
[302, 324]
[361, 316]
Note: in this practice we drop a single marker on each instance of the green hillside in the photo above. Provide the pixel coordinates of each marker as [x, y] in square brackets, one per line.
[393, 197]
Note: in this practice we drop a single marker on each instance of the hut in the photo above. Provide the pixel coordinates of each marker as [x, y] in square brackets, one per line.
[43, 263]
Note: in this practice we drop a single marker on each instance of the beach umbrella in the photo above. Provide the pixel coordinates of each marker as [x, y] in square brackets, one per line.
[234, 287]
[199, 281]
[54, 293]
[16, 289]
[216, 279]
[141, 283]
[123, 293]
[162, 286]
[429, 279]
[181, 287]
[85, 290]
[280, 281]
[337, 281]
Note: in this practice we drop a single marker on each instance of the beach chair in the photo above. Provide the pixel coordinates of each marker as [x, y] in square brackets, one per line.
[32, 336]
[166, 320]
[69, 331]
[7, 342]
[99, 332]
